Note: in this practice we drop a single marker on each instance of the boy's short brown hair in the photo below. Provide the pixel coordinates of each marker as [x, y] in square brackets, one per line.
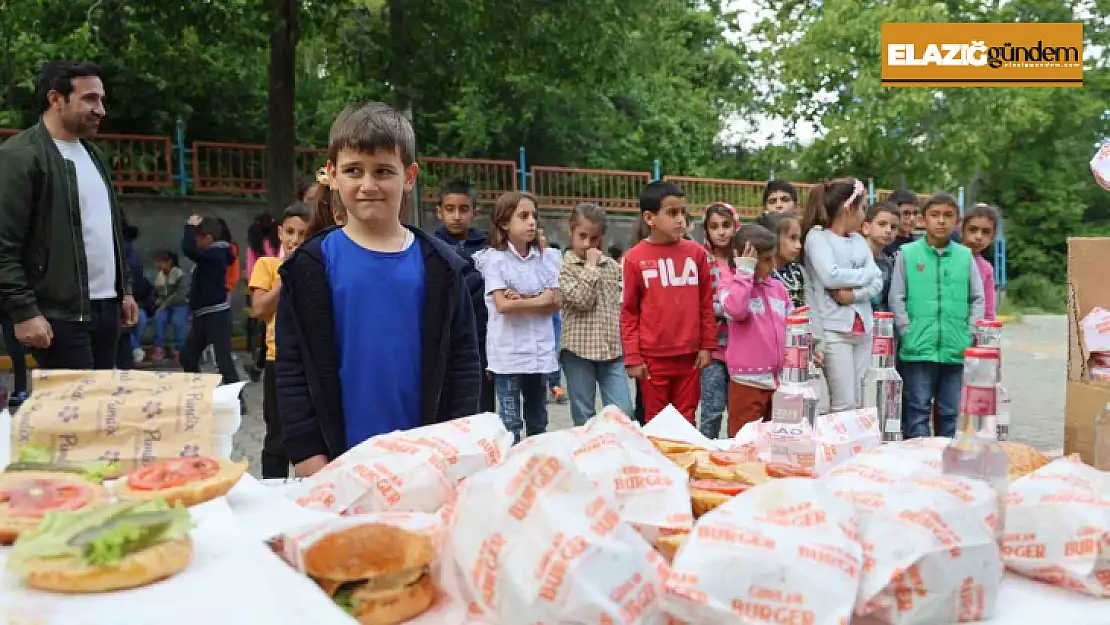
[372, 126]
[882, 207]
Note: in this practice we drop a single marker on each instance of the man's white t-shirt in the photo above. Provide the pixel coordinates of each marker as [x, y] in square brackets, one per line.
[96, 221]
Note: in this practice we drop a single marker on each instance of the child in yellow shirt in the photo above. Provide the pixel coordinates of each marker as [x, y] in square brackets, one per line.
[265, 289]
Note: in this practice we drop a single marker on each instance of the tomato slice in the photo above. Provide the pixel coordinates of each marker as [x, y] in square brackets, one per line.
[786, 469]
[170, 473]
[36, 497]
[727, 458]
[720, 486]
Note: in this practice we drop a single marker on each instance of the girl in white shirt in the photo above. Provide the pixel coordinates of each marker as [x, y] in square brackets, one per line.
[522, 292]
[841, 279]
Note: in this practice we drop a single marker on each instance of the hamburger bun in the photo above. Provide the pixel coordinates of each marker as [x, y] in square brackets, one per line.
[13, 522]
[668, 546]
[672, 446]
[684, 460]
[726, 467]
[190, 494]
[1023, 459]
[386, 565]
[707, 495]
[72, 575]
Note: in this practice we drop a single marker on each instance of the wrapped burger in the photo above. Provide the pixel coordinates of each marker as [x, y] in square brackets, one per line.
[1058, 526]
[930, 548]
[408, 471]
[785, 551]
[534, 540]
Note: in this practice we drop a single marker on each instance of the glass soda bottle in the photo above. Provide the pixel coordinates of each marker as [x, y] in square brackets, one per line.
[988, 334]
[816, 378]
[794, 402]
[882, 387]
[975, 452]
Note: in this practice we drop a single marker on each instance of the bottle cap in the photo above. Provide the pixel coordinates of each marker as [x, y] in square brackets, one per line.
[884, 315]
[981, 352]
[796, 321]
[989, 323]
[801, 310]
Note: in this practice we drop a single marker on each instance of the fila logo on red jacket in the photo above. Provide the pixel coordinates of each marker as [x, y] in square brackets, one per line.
[663, 270]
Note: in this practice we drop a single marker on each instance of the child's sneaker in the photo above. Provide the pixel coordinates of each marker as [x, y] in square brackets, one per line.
[138, 354]
[558, 395]
[158, 354]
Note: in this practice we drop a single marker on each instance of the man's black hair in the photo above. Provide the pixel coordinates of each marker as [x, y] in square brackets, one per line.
[58, 76]
[903, 196]
[459, 187]
[651, 198]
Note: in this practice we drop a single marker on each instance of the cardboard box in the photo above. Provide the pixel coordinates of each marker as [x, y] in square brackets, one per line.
[1088, 287]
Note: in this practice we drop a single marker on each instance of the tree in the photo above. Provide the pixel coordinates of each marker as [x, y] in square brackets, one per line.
[281, 135]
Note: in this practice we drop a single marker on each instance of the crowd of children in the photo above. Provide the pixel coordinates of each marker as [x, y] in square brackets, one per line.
[373, 325]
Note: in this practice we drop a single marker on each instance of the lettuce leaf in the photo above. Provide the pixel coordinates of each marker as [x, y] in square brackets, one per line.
[34, 453]
[101, 535]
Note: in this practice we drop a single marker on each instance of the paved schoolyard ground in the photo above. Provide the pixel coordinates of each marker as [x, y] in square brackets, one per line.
[1034, 371]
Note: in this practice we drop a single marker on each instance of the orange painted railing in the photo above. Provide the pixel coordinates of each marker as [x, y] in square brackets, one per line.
[745, 196]
[560, 188]
[137, 161]
[490, 178]
[240, 168]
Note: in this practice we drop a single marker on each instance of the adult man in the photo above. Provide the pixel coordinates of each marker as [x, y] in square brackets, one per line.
[63, 280]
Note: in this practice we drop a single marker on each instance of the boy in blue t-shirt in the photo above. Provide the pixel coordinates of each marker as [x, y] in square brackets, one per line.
[375, 327]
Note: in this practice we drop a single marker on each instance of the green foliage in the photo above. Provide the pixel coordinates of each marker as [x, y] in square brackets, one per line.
[1036, 293]
[609, 84]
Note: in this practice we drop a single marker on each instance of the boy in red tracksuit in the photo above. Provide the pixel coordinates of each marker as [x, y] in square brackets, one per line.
[667, 323]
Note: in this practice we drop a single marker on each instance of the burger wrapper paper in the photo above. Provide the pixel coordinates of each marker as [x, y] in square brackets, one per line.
[1100, 166]
[449, 607]
[406, 471]
[536, 540]
[129, 417]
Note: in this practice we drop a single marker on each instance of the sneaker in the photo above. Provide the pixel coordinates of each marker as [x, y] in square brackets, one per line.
[558, 395]
[158, 354]
[138, 354]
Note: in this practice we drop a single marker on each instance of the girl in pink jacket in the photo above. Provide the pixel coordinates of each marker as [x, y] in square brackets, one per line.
[756, 305]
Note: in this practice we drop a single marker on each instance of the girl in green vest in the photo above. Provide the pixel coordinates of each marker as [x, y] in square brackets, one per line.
[842, 278]
[936, 295]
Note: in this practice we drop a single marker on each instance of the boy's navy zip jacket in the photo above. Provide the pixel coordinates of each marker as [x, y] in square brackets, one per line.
[309, 394]
[208, 286]
[476, 240]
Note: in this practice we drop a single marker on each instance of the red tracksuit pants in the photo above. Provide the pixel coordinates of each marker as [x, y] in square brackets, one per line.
[672, 380]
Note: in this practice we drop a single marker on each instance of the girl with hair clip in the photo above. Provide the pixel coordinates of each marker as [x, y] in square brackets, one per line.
[718, 226]
[842, 278]
[522, 292]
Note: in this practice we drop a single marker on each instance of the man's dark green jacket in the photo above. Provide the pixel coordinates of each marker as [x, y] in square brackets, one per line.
[42, 251]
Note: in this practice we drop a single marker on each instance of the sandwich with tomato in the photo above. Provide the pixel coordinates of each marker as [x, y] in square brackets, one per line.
[37, 458]
[719, 476]
[188, 480]
[105, 547]
[28, 496]
[378, 573]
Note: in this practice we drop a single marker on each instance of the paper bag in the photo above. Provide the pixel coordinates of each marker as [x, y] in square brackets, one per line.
[130, 417]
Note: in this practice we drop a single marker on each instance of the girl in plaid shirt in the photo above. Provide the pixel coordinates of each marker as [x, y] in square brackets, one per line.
[590, 347]
[719, 226]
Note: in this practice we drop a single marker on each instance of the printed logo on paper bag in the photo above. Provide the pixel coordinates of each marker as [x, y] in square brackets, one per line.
[152, 409]
[190, 451]
[150, 437]
[66, 442]
[68, 413]
[111, 418]
[982, 54]
[109, 456]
